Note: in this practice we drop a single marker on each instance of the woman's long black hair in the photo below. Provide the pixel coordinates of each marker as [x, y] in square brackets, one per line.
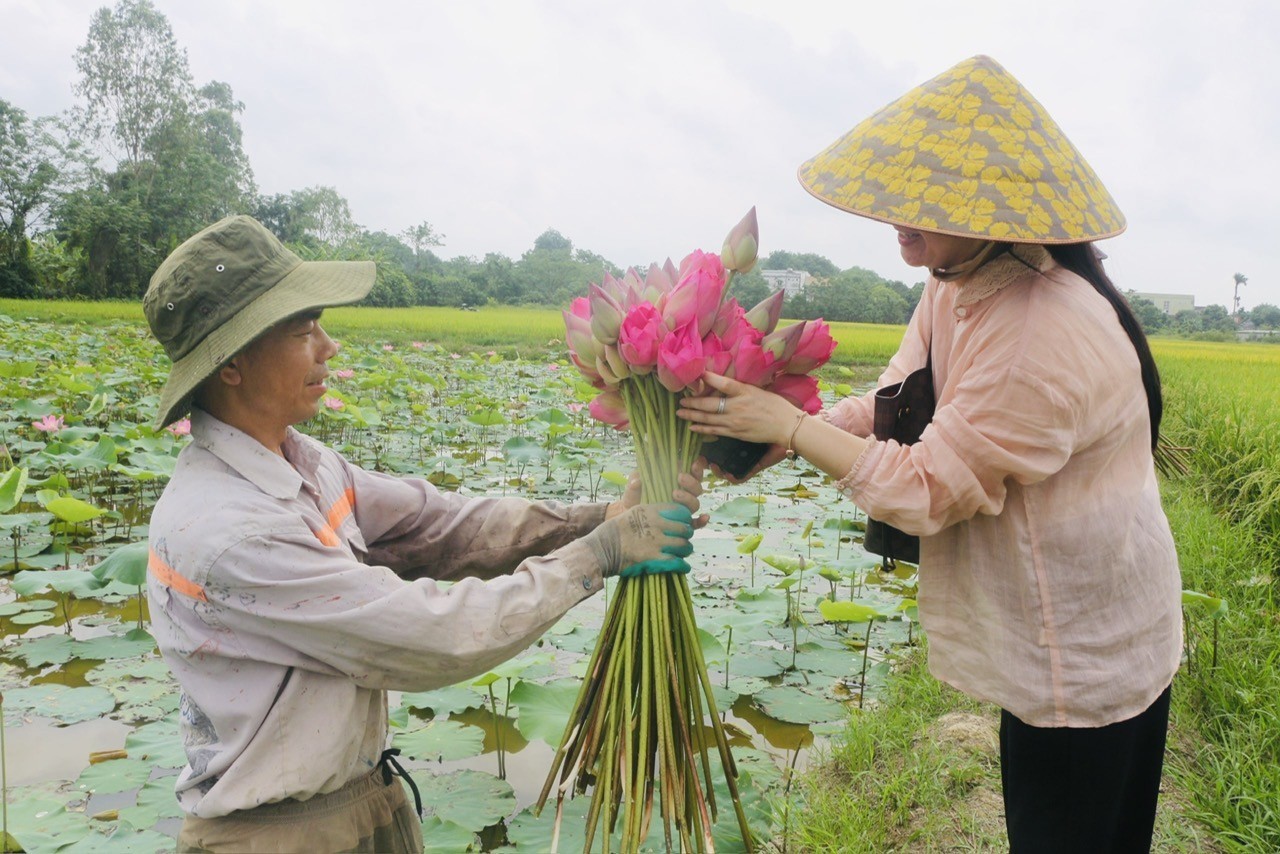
[1082, 259]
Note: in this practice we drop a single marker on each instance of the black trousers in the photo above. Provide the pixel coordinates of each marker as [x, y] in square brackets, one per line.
[1083, 791]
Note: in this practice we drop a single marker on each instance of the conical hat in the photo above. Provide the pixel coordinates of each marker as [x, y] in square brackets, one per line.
[969, 153]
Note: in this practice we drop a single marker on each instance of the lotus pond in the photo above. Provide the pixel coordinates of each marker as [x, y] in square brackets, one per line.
[798, 623]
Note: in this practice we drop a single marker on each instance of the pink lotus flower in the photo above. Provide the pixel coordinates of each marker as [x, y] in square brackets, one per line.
[583, 346]
[728, 316]
[639, 337]
[698, 292]
[717, 357]
[575, 408]
[680, 359]
[751, 363]
[455, 356]
[333, 403]
[180, 428]
[799, 389]
[742, 245]
[813, 348]
[48, 424]
[417, 345]
[580, 307]
[344, 374]
[608, 406]
[765, 314]
[388, 347]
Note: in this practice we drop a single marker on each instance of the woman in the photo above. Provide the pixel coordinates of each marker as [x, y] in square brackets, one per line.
[1049, 584]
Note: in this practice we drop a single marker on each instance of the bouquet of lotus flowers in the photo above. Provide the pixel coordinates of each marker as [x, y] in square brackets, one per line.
[639, 723]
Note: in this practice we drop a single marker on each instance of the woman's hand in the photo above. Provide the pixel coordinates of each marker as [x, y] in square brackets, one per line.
[741, 411]
[689, 487]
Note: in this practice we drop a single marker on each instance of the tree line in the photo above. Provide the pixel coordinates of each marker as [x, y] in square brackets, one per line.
[92, 201]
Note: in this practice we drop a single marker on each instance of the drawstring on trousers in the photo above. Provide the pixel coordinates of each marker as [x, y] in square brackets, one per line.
[390, 767]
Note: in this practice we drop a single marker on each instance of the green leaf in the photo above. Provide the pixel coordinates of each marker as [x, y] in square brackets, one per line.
[470, 799]
[441, 741]
[41, 823]
[78, 582]
[116, 775]
[443, 701]
[62, 704]
[73, 510]
[158, 743]
[750, 544]
[849, 612]
[1204, 605]
[12, 485]
[616, 478]
[518, 449]
[545, 708]
[486, 418]
[786, 564]
[127, 564]
[795, 706]
[445, 837]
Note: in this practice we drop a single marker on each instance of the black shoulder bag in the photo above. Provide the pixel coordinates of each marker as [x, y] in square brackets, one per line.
[902, 411]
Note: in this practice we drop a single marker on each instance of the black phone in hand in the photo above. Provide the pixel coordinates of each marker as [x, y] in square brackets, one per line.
[734, 456]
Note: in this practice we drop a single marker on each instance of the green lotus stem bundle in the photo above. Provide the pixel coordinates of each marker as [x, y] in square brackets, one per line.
[638, 726]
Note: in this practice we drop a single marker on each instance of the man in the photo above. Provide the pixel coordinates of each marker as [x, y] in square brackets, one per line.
[290, 589]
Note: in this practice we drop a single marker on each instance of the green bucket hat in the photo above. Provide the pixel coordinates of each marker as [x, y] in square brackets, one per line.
[970, 153]
[224, 287]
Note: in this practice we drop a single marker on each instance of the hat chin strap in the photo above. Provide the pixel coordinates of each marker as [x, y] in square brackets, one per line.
[989, 250]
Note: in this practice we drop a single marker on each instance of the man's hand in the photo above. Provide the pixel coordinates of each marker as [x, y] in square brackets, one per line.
[645, 539]
[689, 487]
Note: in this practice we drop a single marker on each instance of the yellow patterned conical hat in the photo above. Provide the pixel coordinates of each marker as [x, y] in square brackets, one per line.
[969, 153]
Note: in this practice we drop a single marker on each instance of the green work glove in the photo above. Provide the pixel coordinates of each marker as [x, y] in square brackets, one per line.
[647, 538]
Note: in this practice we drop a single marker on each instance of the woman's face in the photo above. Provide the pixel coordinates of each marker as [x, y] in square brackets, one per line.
[933, 250]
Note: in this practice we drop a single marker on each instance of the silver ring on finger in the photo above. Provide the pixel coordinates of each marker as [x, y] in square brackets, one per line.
[720, 406]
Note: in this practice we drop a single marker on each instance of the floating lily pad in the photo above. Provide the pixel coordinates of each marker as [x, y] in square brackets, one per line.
[115, 775]
[445, 837]
[440, 741]
[443, 701]
[41, 823]
[158, 743]
[794, 705]
[121, 838]
[31, 618]
[155, 801]
[58, 702]
[470, 799]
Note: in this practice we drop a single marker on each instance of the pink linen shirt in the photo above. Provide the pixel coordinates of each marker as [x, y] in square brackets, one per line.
[289, 594]
[1048, 580]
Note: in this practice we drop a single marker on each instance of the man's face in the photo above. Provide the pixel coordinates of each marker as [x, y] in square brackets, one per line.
[282, 373]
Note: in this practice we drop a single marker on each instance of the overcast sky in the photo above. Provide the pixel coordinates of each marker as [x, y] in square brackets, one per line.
[644, 130]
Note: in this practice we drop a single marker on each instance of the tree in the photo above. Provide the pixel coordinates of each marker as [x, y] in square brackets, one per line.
[35, 166]
[1149, 315]
[134, 78]
[814, 265]
[1241, 279]
[553, 241]
[1265, 316]
[1215, 319]
[420, 238]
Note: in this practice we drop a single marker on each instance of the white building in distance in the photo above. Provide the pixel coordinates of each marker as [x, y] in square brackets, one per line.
[790, 281]
[1171, 304]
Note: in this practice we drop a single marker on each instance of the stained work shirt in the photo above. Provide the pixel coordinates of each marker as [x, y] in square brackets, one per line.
[1048, 579]
[289, 594]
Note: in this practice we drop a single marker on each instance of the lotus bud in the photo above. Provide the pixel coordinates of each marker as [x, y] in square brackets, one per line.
[606, 315]
[609, 407]
[742, 244]
[782, 343]
[617, 365]
[765, 314]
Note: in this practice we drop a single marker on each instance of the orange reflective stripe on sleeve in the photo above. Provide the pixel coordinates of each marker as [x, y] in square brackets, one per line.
[338, 514]
[166, 575]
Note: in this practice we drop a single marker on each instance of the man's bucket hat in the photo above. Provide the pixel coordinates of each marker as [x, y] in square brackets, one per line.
[223, 288]
[969, 153]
